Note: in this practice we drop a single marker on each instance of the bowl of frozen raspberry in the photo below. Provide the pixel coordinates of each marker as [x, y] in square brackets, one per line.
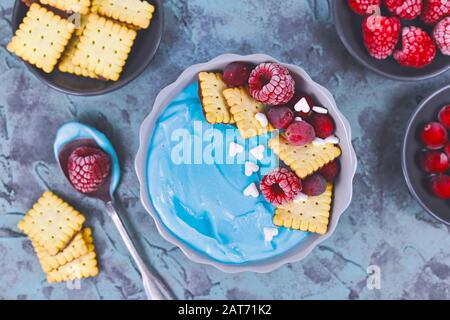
[400, 39]
[245, 163]
[426, 155]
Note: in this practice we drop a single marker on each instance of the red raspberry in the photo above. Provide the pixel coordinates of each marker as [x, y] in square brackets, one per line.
[441, 36]
[272, 84]
[364, 7]
[405, 9]
[381, 35]
[280, 186]
[88, 168]
[434, 10]
[418, 50]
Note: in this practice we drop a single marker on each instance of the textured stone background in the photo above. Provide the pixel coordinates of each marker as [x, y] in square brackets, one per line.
[384, 225]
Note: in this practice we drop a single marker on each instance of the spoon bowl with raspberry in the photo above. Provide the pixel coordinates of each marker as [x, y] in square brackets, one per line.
[90, 163]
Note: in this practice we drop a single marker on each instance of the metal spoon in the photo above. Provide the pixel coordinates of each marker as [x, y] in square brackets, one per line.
[73, 135]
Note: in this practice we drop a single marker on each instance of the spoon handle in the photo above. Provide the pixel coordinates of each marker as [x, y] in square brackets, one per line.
[153, 286]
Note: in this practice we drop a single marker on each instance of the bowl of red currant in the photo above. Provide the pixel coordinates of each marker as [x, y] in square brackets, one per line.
[426, 154]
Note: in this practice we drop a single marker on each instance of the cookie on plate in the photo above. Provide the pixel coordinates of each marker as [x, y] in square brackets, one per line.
[244, 108]
[71, 6]
[41, 38]
[66, 64]
[215, 107]
[134, 12]
[104, 47]
[311, 215]
[304, 160]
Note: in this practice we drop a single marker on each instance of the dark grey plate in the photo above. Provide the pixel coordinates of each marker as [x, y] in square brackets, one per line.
[349, 29]
[144, 48]
[415, 178]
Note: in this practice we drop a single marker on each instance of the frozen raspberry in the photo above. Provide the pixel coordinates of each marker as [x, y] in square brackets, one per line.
[405, 9]
[236, 74]
[280, 186]
[300, 133]
[380, 35]
[88, 168]
[314, 185]
[441, 36]
[364, 7]
[434, 136]
[418, 49]
[323, 125]
[330, 171]
[434, 10]
[434, 162]
[280, 117]
[272, 84]
[440, 186]
[444, 116]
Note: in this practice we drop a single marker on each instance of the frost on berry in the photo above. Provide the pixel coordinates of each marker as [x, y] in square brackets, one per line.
[280, 186]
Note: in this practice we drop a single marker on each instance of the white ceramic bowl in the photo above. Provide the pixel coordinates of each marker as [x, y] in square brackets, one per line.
[343, 188]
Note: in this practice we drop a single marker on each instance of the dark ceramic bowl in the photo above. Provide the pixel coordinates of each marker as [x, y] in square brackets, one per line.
[144, 48]
[349, 28]
[415, 178]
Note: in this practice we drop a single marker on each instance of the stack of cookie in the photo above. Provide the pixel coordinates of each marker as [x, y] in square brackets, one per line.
[65, 250]
[93, 41]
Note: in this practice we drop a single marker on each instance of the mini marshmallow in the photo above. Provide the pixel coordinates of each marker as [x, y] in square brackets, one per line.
[235, 149]
[301, 197]
[332, 140]
[262, 119]
[298, 119]
[318, 142]
[320, 110]
[302, 106]
[269, 234]
[250, 168]
[251, 191]
[258, 152]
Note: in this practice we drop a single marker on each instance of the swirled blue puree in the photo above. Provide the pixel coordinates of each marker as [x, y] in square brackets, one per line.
[196, 188]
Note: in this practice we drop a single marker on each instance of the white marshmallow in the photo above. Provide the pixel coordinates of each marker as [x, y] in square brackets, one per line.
[320, 110]
[251, 191]
[302, 106]
[258, 152]
[269, 234]
[235, 149]
[262, 119]
[250, 168]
